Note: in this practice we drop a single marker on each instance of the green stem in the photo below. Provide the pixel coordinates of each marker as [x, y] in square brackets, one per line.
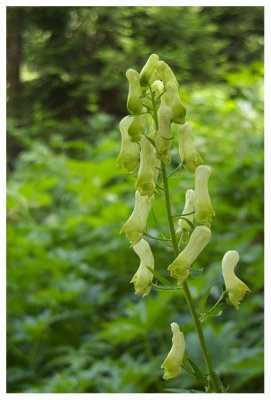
[213, 377]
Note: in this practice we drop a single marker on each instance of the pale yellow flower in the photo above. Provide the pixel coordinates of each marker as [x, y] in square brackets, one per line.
[134, 100]
[142, 279]
[172, 99]
[180, 268]
[146, 180]
[164, 134]
[173, 362]
[137, 127]
[189, 156]
[129, 153]
[135, 226]
[148, 69]
[183, 226]
[204, 210]
[165, 73]
[236, 289]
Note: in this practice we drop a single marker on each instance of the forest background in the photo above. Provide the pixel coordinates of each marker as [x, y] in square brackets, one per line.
[74, 323]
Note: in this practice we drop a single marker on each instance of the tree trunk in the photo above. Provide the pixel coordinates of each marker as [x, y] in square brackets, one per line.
[14, 55]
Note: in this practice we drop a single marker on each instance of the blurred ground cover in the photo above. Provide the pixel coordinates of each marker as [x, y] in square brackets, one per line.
[74, 324]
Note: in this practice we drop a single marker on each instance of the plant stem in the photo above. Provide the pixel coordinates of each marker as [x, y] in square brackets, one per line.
[213, 378]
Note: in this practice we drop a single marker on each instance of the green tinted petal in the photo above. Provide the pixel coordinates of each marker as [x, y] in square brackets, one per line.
[235, 287]
[173, 361]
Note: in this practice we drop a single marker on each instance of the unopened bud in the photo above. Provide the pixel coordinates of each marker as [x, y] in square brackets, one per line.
[142, 279]
[157, 87]
[148, 69]
[235, 287]
[134, 101]
[180, 268]
[204, 210]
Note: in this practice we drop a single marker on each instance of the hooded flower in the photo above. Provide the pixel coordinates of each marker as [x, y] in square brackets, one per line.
[204, 210]
[172, 99]
[146, 181]
[235, 287]
[135, 226]
[137, 127]
[180, 268]
[148, 69]
[189, 156]
[129, 153]
[134, 101]
[165, 73]
[183, 226]
[143, 277]
[173, 362]
[164, 135]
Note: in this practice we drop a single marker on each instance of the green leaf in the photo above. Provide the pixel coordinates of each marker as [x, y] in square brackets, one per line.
[203, 300]
[160, 277]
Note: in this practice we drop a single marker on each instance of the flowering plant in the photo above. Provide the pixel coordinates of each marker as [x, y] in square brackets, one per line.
[156, 112]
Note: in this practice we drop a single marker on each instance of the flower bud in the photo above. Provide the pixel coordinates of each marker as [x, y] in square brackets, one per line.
[148, 69]
[135, 226]
[157, 87]
[129, 153]
[146, 181]
[172, 99]
[164, 135]
[235, 287]
[188, 153]
[204, 210]
[180, 268]
[142, 279]
[134, 101]
[173, 362]
[137, 127]
[166, 73]
[183, 226]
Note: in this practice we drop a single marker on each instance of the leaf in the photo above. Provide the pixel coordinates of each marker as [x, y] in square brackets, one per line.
[203, 300]
[160, 278]
[196, 370]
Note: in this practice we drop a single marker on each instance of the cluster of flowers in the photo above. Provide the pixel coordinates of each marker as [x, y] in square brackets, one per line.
[156, 111]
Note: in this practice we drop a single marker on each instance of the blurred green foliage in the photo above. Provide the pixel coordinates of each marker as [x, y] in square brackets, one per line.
[74, 324]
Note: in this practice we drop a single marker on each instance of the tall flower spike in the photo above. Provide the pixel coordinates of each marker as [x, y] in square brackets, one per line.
[204, 210]
[147, 168]
[180, 268]
[135, 226]
[172, 99]
[148, 69]
[142, 279]
[189, 156]
[137, 127]
[173, 362]
[164, 135]
[134, 101]
[129, 153]
[235, 287]
[183, 226]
